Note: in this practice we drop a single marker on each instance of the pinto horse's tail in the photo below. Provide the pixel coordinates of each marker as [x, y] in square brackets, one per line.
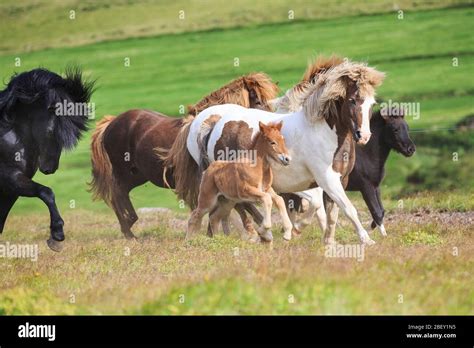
[102, 183]
[186, 172]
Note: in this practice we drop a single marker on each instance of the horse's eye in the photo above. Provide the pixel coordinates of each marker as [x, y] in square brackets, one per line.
[273, 143]
[353, 101]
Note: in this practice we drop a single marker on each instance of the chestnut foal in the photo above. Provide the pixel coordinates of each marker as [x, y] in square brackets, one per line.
[244, 180]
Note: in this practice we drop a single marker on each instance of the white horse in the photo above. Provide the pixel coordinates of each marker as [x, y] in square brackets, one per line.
[336, 105]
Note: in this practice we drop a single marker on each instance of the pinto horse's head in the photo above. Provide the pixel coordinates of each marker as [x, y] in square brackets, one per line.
[395, 132]
[49, 110]
[357, 111]
[343, 95]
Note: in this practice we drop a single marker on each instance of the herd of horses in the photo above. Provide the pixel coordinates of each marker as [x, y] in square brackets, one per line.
[311, 145]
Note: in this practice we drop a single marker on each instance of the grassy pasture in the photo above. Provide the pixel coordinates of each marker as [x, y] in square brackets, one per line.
[429, 264]
[427, 258]
[36, 24]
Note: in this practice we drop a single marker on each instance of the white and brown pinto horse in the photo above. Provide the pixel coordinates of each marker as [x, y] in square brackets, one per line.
[337, 105]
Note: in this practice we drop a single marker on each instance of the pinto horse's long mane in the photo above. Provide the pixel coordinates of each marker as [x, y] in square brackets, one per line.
[294, 97]
[236, 92]
[325, 82]
[29, 87]
[330, 87]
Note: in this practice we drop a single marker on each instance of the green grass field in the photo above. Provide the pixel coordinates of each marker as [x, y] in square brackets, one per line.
[173, 65]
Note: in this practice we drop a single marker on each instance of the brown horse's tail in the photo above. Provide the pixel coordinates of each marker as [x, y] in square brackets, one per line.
[186, 171]
[102, 184]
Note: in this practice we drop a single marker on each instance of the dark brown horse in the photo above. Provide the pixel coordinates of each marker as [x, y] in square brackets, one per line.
[124, 152]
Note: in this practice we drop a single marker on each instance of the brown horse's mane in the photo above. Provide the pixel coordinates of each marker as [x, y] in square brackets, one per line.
[236, 92]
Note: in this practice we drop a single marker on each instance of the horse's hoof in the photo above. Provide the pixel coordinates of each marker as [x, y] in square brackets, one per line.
[54, 245]
[382, 230]
[254, 238]
[329, 241]
[368, 242]
[287, 235]
[130, 236]
[266, 236]
[296, 232]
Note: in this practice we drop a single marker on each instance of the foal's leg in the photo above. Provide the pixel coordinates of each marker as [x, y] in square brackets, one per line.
[252, 234]
[220, 212]
[255, 194]
[207, 200]
[330, 182]
[25, 187]
[280, 203]
[6, 203]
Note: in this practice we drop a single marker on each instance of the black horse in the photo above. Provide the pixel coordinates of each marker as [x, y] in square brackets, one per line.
[41, 113]
[389, 132]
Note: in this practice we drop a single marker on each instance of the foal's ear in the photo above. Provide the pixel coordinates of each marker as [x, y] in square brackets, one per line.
[279, 125]
[261, 126]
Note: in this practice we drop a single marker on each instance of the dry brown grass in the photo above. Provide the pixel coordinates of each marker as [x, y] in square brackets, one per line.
[103, 273]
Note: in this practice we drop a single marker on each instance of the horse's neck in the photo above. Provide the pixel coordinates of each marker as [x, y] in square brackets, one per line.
[377, 150]
[262, 162]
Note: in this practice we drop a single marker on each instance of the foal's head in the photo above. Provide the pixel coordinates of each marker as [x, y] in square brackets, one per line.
[395, 131]
[274, 145]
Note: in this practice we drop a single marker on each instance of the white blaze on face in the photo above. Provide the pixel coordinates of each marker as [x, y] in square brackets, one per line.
[365, 128]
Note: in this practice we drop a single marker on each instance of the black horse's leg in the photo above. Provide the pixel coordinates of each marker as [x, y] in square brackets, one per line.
[381, 213]
[372, 199]
[6, 203]
[25, 187]
[253, 211]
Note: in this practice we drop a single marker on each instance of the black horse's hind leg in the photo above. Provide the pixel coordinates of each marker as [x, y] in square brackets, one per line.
[253, 211]
[6, 203]
[124, 211]
[371, 197]
[25, 187]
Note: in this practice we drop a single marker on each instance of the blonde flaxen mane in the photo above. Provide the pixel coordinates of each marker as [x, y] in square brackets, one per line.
[330, 86]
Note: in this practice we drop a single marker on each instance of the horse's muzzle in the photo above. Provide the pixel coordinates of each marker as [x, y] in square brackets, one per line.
[409, 150]
[48, 169]
[284, 159]
[362, 138]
